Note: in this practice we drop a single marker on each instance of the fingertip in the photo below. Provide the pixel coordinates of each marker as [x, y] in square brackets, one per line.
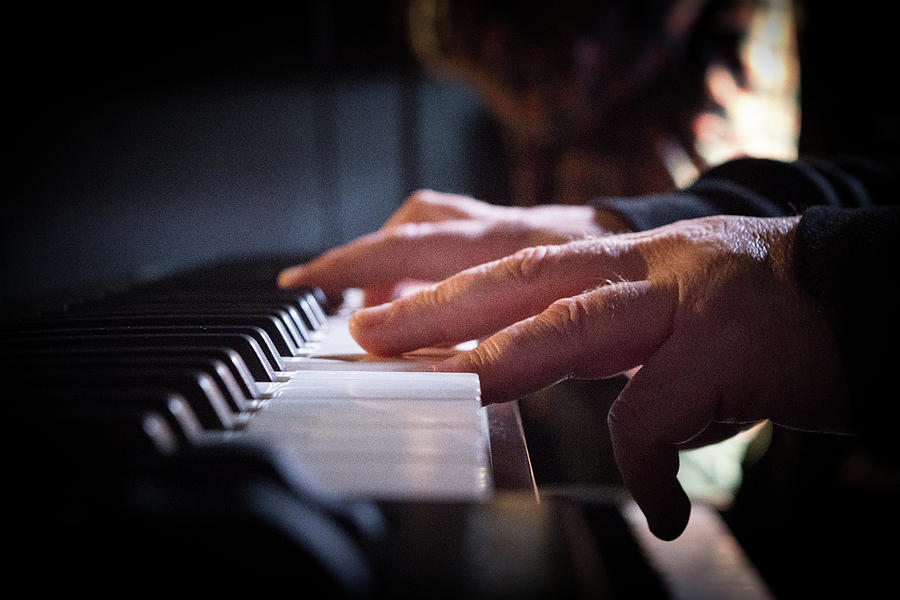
[366, 327]
[471, 361]
[670, 520]
[291, 277]
[458, 363]
[371, 316]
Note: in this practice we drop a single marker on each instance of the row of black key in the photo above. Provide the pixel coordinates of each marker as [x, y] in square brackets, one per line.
[183, 360]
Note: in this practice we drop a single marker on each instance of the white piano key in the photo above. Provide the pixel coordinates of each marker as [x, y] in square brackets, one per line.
[419, 480]
[374, 384]
[348, 412]
[336, 340]
[317, 444]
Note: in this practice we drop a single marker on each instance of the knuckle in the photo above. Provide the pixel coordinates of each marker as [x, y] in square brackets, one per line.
[570, 318]
[429, 305]
[405, 232]
[483, 355]
[430, 300]
[415, 207]
[421, 197]
[530, 264]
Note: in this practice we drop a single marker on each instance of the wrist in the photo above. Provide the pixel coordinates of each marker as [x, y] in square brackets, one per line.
[612, 221]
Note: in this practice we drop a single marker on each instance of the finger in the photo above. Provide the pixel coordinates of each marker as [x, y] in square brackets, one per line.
[482, 300]
[379, 294]
[430, 206]
[596, 334]
[425, 251]
[666, 405]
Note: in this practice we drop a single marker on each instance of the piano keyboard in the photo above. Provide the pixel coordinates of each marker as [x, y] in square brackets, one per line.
[377, 428]
[199, 367]
[206, 422]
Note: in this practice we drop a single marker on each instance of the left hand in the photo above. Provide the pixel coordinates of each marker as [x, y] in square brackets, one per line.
[434, 235]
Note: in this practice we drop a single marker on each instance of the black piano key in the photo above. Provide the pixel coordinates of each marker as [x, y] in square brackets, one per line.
[231, 359]
[271, 325]
[254, 344]
[231, 273]
[215, 368]
[51, 349]
[197, 387]
[289, 313]
[66, 406]
[114, 437]
[311, 309]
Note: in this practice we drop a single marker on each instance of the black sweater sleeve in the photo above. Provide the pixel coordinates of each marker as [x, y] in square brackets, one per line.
[762, 188]
[849, 260]
[846, 255]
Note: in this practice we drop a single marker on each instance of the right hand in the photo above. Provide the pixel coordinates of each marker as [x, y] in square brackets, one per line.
[707, 311]
[434, 235]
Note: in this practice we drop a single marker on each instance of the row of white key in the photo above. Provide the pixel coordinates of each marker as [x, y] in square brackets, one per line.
[374, 427]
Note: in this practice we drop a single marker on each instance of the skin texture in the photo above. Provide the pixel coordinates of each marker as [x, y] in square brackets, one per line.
[705, 314]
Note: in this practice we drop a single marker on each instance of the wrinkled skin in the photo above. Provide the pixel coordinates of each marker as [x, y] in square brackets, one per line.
[705, 314]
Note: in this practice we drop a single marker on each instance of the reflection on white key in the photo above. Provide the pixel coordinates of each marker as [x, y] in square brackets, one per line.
[374, 384]
[347, 412]
[460, 446]
[337, 341]
[385, 448]
[406, 479]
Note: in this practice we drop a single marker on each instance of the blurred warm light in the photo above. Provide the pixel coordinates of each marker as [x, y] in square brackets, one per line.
[761, 117]
[551, 129]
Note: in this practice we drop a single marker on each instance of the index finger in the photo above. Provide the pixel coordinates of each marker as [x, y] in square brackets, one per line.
[483, 299]
[592, 335]
[425, 251]
[665, 406]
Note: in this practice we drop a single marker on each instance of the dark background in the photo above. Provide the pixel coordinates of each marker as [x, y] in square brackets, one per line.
[154, 138]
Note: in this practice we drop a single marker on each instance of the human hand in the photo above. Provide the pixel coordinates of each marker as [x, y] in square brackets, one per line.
[434, 235]
[708, 309]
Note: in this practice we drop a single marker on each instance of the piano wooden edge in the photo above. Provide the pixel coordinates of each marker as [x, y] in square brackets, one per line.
[510, 461]
[706, 561]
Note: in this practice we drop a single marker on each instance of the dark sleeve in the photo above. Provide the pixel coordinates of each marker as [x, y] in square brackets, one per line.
[849, 260]
[761, 188]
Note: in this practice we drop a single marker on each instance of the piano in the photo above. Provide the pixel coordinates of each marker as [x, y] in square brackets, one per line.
[207, 431]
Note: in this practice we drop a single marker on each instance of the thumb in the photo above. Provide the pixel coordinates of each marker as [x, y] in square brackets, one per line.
[667, 404]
